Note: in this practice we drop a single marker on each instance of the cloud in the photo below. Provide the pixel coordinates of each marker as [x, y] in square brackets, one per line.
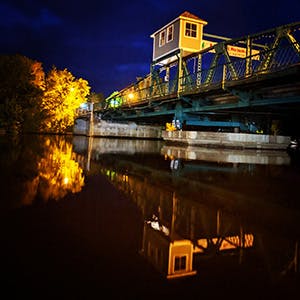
[13, 17]
[138, 67]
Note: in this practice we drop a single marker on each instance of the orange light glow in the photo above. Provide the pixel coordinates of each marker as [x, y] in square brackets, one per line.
[131, 96]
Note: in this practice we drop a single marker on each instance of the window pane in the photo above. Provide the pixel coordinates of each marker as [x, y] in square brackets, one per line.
[162, 38]
[180, 263]
[177, 264]
[191, 29]
[183, 262]
[170, 33]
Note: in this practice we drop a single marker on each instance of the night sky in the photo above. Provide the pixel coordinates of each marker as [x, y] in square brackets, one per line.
[108, 43]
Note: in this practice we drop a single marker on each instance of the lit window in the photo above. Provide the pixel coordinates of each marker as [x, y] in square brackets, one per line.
[180, 263]
[170, 31]
[191, 29]
[162, 38]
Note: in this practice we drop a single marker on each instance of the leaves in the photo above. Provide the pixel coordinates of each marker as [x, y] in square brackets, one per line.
[31, 101]
[62, 96]
[20, 92]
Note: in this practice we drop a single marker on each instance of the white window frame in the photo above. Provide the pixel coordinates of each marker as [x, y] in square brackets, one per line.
[189, 31]
[162, 38]
[170, 33]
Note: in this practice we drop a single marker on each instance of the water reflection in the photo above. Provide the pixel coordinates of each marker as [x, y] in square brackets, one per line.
[204, 220]
[184, 230]
[99, 146]
[58, 171]
[234, 156]
[39, 168]
[210, 206]
[265, 175]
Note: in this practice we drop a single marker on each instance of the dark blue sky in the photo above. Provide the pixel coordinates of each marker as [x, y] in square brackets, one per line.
[108, 42]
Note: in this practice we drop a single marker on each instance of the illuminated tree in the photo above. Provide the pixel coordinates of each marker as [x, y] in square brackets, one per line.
[21, 90]
[38, 75]
[63, 95]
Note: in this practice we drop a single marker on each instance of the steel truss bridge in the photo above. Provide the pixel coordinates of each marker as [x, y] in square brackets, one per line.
[248, 91]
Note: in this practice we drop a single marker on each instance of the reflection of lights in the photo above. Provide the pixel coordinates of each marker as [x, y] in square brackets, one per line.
[156, 226]
[59, 173]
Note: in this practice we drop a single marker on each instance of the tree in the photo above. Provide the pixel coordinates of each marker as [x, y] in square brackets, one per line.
[63, 95]
[21, 82]
[97, 99]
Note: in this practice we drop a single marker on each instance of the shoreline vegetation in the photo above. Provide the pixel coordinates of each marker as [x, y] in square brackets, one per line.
[32, 100]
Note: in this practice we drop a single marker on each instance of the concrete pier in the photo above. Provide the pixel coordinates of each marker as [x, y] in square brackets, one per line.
[227, 140]
[100, 128]
[119, 130]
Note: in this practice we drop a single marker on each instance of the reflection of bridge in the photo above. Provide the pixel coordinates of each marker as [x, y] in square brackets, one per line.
[177, 230]
[210, 87]
[99, 146]
[190, 220]
[181, 233]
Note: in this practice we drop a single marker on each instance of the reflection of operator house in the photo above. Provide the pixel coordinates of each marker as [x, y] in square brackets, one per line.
[166, 243]
[180, 230]
[173, 255]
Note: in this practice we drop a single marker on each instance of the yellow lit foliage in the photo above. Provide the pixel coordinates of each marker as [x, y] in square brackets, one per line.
[59, 173]
[38, 75]
[63, 95]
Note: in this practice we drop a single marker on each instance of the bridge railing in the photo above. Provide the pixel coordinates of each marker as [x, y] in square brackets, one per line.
[268, 52]
[258, 54]
[282, 57]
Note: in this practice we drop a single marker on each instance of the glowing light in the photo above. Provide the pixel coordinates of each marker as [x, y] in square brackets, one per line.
[131, 96]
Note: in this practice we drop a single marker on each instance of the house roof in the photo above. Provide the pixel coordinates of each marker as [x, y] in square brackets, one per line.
[187, 14]
[184, 15]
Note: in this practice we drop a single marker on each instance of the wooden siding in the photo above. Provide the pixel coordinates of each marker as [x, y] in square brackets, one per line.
[180, 41]
[169, 47]
[188, 43]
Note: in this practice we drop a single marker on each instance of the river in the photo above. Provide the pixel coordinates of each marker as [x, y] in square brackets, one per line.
[85, 218]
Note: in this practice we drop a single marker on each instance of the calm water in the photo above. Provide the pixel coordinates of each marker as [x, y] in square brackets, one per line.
[133, 219]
